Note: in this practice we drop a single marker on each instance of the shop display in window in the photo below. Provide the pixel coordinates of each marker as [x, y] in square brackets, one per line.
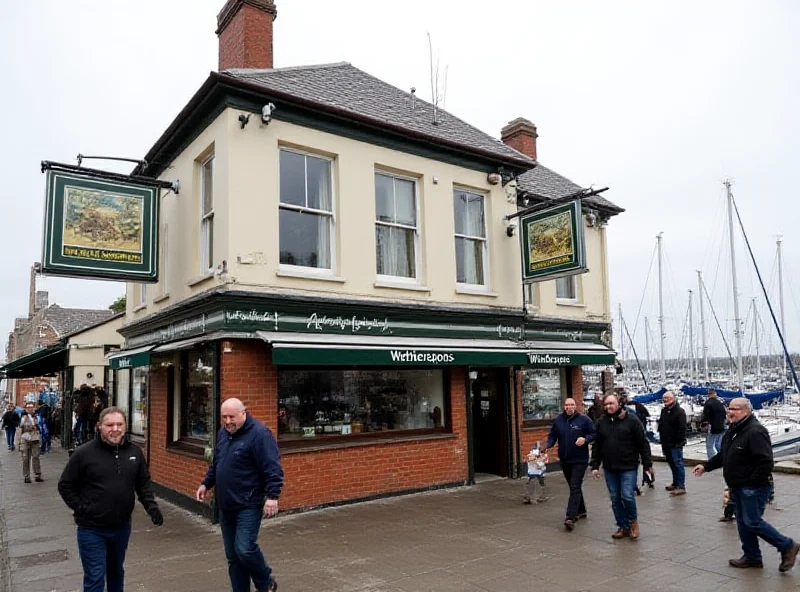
[197, 401]
[541, 394]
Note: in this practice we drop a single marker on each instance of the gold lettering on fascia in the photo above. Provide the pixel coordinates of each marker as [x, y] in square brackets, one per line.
[354, 324]
[252, 316]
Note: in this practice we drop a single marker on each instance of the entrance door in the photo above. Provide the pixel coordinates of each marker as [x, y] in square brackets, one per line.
[489, 423]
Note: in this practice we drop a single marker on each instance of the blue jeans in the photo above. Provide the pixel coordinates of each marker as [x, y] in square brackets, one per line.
[10, 437]
[102, 552]
[713, 444]
[622, 490]
[674, 458]
[245, 560]
[750, 503]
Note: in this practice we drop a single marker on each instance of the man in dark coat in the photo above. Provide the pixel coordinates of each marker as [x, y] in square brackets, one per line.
[747, 462]
[573, 431]
[10, 424]
[672, 431]
[714, 416]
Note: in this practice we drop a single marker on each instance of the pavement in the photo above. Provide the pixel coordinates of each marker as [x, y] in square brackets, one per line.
[469, 539]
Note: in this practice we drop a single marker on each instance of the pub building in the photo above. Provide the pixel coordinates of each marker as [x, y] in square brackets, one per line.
[345, 264]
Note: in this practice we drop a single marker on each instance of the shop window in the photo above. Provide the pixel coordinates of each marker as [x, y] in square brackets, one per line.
[470, 236]
[138, 407]
[396, 233]
[197, 401]
[122, 396]
[331, 403]
[542, 394]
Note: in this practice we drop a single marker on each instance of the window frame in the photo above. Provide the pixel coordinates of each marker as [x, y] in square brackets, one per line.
[176, 439]
[207, 217]
[415, 280]
[304, 270]
[573, 279]
[484, 240]
[164, 271]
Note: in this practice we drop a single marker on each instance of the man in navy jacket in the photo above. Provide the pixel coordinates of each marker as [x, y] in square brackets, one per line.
[573, 431]
[247, 475]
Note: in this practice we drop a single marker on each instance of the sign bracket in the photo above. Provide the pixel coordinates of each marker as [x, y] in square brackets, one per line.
[48, 165]
[549, 203]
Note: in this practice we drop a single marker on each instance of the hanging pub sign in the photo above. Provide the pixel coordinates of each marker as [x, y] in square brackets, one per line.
[100, 226]
[552, 243]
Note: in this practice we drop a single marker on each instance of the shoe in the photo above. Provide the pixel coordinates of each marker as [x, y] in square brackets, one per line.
[272, 587]
[650, 485]
[569, 524]
[621, 533]
[727, 519]
[789, 557]
[638, 491]
[634, 533]
[670, 488]
[744, 563]
[582, 516]
[542, 498]
[677, 491]
[27, 479]
[526, 500]
[39, 478]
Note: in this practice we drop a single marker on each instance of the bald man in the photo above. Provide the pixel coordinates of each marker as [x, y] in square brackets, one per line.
[746, 461]
[247, 476]
[672, 433]
[573, 431]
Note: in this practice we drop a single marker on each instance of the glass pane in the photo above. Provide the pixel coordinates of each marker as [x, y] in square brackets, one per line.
[476, 225]
[138, 419]
[469, 261]
[326, 403]
[384, 203]
[305, 239]
[208, 186]
[565, 288]
[319, 183]
[293, 178]
[395, 251]
[208, 243]
[405, 202]
[460, 211]
[122, 395]
[196, 402]
[541, 394]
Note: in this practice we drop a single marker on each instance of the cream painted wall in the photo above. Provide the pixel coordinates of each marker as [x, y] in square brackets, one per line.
[87, 347]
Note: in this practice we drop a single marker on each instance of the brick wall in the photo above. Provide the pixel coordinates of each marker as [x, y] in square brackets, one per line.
[246, 40]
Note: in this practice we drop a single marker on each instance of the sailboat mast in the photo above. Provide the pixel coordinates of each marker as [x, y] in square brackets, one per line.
[663, 362]
[737, 329]
[621, 335]
[692, 359]
[647, 346]
[702, 325]
[758, 351]
[780, 299]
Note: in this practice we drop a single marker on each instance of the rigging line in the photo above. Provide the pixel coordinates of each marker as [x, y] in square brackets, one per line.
[644, 290]
[769, 304]
[672, 299]
[724, 231]
[684, 332]
[635, 355]
[714, 314]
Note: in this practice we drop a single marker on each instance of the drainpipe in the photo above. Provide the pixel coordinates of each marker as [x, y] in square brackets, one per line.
[470, 429]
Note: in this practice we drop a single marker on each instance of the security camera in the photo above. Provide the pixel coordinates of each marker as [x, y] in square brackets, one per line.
[266, 113]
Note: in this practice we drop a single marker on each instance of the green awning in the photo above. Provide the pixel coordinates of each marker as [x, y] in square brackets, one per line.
[44, 362]
[130, 358]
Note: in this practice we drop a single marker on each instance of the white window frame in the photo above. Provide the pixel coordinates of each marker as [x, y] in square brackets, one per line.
[302, 269]
[417, 258]
[531, 295]
[142, 295]
[568, 300]
[466, 287]
[164, 271]
[206, 218]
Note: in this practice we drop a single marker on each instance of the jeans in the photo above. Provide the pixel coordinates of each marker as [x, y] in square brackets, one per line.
[713, 444]
[245, 560]
[750, 503]
[10, 432]
[622, 491]
[674, 458]
[574, 473]
[102, 552]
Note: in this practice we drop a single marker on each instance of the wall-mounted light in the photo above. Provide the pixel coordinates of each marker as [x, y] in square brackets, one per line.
[493, 178]
[227, 347]
[473, 374]
[511, 226]
[266, 113]
[244, 119]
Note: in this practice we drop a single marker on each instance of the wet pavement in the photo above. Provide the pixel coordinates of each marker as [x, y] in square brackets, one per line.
[467, 539]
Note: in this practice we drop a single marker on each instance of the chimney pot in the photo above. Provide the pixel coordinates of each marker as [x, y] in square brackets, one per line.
[244, 28]
[521, 135]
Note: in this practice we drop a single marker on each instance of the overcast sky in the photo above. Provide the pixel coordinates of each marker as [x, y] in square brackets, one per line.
[660, 101]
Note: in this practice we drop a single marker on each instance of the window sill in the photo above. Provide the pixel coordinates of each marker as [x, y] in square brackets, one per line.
[187, 449]
[573, 303]
[475, 291]
[200, 279]
[161, 298]
[293, 273]
[536, 424]
[401, 286]
[140, 307]
[300, 446]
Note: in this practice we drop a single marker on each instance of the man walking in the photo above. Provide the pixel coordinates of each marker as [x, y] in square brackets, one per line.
[672, 431]
[28, 439]
[746, 461]
[98, 485]
[619, 444]
[573, 431]
[247, 476]
[10, 422]
[714, 415]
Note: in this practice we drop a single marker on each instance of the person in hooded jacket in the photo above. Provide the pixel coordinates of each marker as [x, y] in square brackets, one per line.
[573, 431]
[98, 484]
[247, 477]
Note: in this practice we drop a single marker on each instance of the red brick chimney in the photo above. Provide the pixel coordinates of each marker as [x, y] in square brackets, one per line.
[244, 28]
[521, 135]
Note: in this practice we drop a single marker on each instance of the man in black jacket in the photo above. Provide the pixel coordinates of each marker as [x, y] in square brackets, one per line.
[10, 424]
[746, 461]
[714, 415]
[619, 444]
[98, 484]
[672, 432]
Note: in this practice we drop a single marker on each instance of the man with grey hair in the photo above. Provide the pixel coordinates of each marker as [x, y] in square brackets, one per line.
[672, 433]
[746, 461]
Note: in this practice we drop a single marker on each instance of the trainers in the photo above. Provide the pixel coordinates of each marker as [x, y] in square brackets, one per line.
[670, 488]
[744, 563]
[569, 524]
[789, 557]
[39, 478]
[621, 533]
[727, 519]
[677, 491]
[634, 533]
[526, 500]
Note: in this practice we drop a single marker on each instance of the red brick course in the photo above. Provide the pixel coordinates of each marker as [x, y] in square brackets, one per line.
[246, 41]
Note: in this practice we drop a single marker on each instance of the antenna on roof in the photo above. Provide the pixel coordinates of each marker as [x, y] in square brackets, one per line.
[436, 98]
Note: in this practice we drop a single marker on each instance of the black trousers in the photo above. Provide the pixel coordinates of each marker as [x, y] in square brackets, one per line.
[574, 474]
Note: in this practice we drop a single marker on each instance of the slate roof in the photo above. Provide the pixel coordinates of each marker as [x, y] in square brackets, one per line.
[66, 321]
[542, 182]
[346, 88]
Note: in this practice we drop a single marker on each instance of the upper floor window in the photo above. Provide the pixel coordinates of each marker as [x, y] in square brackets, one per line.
[142, 294]
[396, 235]
[207, 214]
[567, 288]
[306, 210]
[471, 247]
[531, 294]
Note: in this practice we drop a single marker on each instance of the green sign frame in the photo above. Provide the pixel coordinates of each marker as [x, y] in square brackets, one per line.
[552, 243]
[100, 228]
